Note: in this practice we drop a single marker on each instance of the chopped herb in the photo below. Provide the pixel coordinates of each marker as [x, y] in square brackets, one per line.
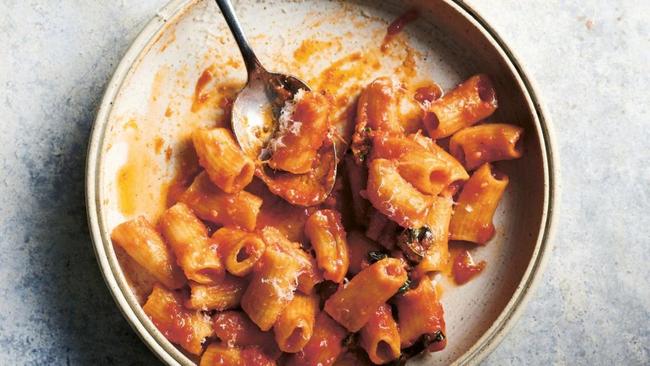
[367, 129]
[438, 336]
[265, 155]
[415, 243]
[405, 287]
[419, 234]
[349, 340]
[363, 155]
[376, 256]
[418, 347]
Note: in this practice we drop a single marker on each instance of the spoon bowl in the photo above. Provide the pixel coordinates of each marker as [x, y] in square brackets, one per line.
[256, 109]
[255, 114]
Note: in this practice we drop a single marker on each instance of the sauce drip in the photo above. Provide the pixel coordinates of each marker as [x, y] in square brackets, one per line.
[199, 97]
[311, 47]
[397, 26]
[186, 169]
[464, 268]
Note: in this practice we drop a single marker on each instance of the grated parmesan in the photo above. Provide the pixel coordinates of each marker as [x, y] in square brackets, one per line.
[286, 123]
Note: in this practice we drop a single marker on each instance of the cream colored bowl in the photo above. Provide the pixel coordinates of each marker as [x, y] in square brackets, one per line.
[146, 115]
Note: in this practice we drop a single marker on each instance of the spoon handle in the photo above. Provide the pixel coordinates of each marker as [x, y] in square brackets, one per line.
[250, 60]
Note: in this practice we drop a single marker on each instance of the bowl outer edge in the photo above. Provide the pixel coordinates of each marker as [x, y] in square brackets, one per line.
[109, 267]
[169, 354]
[513, 310]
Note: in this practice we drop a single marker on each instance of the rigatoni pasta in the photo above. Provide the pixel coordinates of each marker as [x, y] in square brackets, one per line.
[235, 329]
[188, 238]
[304, 123]
[472, 218]
[486, 143]
[143, 243]
[395, 197]
[239, 250]
[184, 327]
[354, 304]
[378, 107]
[295, 326]
[419, 161]
[420, 317]
[436, 256]
[309, 275]
[380, 336]
[471, 101]
[287, 272]
[223, 160]
[225, 294]
[327, 236]
[324, 346]
[377, 110]
[271, 287]
[214, 205]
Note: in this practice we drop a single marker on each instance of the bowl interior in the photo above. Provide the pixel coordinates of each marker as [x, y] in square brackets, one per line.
[334, 46]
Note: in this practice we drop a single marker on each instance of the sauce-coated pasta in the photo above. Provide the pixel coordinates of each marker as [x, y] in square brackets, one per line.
[255, 265]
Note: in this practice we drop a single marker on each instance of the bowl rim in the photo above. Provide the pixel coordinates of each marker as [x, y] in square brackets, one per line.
[128, 304]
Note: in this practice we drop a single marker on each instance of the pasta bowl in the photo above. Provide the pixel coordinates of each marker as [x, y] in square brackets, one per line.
[173, 78]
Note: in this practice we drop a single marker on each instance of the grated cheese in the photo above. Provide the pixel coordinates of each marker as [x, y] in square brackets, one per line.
[286, 123]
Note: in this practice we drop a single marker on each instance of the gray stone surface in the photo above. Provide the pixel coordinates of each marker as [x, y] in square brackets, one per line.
[591, 62]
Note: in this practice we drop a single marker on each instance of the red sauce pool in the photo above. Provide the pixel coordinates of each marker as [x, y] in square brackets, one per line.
[464, 268]
[397, 26]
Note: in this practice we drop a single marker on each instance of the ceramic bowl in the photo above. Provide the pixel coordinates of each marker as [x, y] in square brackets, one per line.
[143, 124]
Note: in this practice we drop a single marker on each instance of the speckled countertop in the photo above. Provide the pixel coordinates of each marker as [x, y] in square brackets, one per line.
[591, 62]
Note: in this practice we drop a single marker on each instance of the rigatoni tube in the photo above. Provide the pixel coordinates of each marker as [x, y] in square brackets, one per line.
[225, 294]
[188, 238]
[486, 143]
[238, 249]
[396, 198]
[303, 127]
[223, 160]
[295, 326]
[327, 236]
[470, 102]
[421, 317]
[380, 337]
[212, 204]
[472, 219]
[187, 328]
[355, 303]
[271, 287]
[142, 242]
[324, 346]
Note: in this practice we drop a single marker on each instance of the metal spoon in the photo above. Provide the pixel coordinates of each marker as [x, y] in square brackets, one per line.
[254, 122]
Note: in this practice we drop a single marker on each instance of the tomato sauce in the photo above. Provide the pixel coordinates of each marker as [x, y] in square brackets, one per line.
[178, 327]
[187, 168]
[199, 96]
[311, 47]
[464, 268]
[397, 26]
